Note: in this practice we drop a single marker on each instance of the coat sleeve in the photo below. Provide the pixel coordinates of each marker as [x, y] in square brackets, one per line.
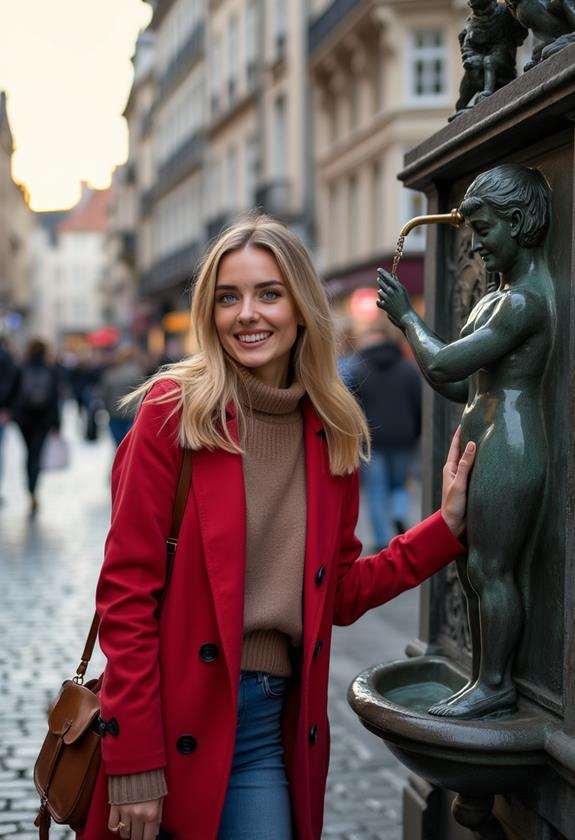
[367, 582]
[144, 480]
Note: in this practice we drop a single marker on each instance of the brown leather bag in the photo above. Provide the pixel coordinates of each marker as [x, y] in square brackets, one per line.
[67, 767]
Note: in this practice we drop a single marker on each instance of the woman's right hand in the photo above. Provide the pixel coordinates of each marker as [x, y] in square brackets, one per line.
[136, 820]
[393, 297]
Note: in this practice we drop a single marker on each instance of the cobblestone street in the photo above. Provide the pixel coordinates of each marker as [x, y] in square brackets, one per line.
[48, 570]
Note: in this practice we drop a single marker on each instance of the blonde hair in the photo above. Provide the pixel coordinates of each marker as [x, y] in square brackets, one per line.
[207, 381]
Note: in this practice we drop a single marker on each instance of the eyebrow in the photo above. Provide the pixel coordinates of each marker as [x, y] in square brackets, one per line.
[261, 285]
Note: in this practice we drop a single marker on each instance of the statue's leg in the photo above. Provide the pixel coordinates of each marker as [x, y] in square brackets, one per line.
[497, 533]
[474, 620]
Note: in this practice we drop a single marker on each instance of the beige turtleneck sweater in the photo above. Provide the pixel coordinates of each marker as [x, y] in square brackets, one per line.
[274, 477]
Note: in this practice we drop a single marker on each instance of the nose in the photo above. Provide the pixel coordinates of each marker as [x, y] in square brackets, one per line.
[248, 312]
[475, 245]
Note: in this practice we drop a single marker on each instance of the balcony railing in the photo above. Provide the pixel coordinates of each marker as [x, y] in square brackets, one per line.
[328, 22]
[147, 201]
[190, 52]
[176, 268]
[185, 158]
[274, 197]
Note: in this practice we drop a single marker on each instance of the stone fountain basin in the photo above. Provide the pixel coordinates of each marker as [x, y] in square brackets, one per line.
[478, 758]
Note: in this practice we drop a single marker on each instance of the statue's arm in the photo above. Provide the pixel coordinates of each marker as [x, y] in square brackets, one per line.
[511, 321]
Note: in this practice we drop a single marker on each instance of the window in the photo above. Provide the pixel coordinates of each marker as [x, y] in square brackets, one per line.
[427, 66]
[231, 178]
[251, 41]
[279, 28]
[413, 204]
[232, 59]
[279, 138]
[250, 171]
[377, 206]
[353, 217]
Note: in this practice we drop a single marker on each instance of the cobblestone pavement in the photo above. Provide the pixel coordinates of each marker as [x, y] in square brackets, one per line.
[48, 570]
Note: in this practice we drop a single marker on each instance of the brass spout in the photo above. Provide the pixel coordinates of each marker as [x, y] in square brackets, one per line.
[454, 218]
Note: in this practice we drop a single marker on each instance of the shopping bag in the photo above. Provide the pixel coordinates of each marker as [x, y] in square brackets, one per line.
[55, 453]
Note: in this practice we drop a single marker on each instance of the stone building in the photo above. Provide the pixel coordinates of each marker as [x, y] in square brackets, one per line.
[303, 109]
[16, 226]
[384, 77]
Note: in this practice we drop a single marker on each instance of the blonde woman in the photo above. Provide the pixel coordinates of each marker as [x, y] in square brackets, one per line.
[217, 709]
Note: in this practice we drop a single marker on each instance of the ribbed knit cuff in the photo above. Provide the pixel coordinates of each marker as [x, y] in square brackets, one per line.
[267, 651]
[137, 787]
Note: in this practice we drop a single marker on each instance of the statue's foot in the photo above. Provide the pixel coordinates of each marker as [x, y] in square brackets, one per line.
[477, 701]
[557, 45]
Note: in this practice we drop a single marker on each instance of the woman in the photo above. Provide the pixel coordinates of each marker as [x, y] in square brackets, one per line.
[497, 366]
[220, 724]
[36, 409]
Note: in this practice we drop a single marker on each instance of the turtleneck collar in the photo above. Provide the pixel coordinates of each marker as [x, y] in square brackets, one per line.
[257, 396]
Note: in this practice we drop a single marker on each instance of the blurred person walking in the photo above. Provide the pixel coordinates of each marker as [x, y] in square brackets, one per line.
[124, 374]
[8, 385]
[36, 409]
[388, 387]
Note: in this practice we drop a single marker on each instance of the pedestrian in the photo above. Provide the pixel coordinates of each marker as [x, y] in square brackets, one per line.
[388, 387]
[36, 409]
[8, 384]
[215, 707]
[125, 373]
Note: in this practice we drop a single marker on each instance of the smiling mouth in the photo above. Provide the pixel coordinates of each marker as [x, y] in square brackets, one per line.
[253, 339]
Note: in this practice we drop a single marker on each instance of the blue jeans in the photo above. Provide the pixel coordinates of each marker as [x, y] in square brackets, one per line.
[385, 479]
[257, 805]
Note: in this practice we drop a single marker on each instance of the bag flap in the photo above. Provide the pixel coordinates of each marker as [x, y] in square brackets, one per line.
[73, 711]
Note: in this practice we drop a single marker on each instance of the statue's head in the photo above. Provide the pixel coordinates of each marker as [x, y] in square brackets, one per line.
[482, 6]
[516, 193]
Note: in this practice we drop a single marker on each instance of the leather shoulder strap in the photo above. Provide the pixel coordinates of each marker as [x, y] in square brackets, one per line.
[182, 492]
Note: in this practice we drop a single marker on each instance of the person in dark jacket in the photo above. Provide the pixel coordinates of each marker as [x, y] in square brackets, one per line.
[8, 384]
[388, 387]
[36, 409]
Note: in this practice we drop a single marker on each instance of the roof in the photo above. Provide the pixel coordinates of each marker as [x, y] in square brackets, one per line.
[90, 214]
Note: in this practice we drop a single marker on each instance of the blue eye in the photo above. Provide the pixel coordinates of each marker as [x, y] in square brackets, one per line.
[227, 297]
[270, 294]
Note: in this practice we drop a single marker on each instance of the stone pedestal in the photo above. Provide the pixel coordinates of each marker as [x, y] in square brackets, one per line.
[530, 122]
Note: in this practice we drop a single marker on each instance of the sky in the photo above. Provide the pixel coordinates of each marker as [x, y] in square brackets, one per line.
[66, 70]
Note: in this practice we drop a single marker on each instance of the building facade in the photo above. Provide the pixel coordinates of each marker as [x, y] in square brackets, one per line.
[384, 77]
[16, 226]
[69, 270]
[302, 109]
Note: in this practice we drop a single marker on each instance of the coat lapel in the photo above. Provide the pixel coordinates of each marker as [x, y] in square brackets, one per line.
[218, 485]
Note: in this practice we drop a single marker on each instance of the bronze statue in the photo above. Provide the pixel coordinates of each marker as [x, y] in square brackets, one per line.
[496, 367]
[551, 21]
[488, 47]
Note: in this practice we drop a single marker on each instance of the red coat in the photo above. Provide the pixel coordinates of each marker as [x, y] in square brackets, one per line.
[185, 721]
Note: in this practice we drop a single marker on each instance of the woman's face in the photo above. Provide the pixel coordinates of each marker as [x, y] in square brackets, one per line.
[494, 238]
[255, 315]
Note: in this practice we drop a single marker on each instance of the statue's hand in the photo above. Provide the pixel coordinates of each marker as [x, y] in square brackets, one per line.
[455, 480]
[393, 297]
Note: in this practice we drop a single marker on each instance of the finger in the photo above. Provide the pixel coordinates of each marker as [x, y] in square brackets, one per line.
[114, 818]
[137, 829]
[465, 463]
[125, 831]
[454, 451]
[151, 831]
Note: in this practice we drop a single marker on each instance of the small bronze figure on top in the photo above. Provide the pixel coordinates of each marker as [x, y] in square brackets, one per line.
[551, 21]
[488, 46]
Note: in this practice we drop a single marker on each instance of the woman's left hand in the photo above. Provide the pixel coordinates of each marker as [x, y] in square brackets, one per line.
[455, 480]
